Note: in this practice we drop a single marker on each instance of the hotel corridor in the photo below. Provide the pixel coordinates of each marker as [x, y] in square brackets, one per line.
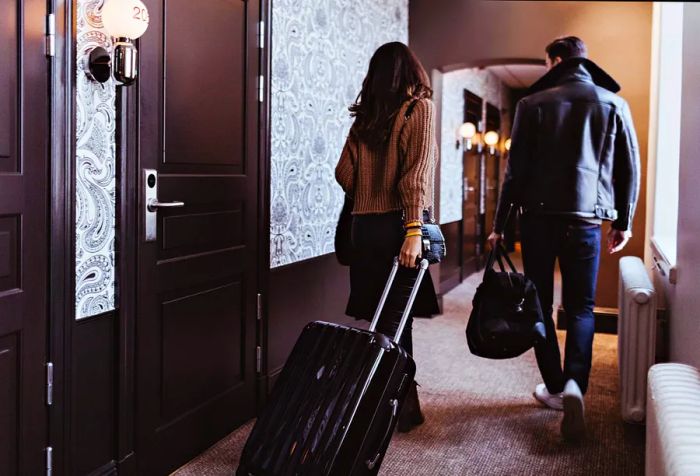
[190, 189]
[481, 418]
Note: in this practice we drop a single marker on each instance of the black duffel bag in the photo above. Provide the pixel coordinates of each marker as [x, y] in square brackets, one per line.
[506, 318]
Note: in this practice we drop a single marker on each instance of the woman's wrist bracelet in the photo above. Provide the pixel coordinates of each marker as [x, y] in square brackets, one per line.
[413, 233]
[413, 224]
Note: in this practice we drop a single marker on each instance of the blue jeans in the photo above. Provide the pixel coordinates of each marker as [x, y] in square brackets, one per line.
[577, 246]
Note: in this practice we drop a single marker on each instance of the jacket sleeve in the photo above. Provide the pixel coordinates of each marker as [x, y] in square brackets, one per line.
[417, 159]
[345, 170]
[626, 169]
[518, 158]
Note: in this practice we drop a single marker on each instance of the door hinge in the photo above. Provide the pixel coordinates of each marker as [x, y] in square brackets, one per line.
[261, 88]
[49, 460]
[258, 359]
[259, 310]
[49, 383]
[261, 35]
[50, 35]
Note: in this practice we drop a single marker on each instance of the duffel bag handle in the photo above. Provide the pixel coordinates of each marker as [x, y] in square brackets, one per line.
[498, 254]
[423, 266]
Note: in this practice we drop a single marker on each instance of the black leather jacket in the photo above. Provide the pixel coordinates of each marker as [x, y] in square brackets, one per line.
[574, 150]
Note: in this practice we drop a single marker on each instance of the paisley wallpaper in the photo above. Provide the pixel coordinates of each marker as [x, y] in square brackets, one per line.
[484, 84]
[95, 174]
[320, 53]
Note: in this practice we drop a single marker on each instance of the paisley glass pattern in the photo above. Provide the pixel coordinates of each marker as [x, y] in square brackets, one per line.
[320, 54]
[94, 172]
[484, 84]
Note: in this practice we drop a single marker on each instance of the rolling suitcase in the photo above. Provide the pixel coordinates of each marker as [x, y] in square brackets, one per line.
[335, 406]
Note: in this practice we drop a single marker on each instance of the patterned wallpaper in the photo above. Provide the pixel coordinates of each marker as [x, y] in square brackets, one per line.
[484, 84]
[320, 53]
[95, 174]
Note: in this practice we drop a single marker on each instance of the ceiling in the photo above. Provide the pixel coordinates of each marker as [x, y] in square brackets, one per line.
[518, 76]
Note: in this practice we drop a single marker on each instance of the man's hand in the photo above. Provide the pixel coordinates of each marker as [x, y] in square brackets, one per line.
[494, 238]
[617, 240]
[410, 251]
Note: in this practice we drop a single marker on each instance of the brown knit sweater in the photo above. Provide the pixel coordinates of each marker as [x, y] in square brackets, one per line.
[399, 178]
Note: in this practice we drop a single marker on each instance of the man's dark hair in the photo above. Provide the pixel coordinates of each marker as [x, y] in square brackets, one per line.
[566, 47]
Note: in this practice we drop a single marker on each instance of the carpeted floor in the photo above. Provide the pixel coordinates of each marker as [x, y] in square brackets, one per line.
[481, 418]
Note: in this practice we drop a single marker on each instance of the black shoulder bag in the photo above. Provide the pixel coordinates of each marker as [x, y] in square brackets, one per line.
[343, 234]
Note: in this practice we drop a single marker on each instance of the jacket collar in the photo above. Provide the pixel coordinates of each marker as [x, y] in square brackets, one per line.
[575, 69]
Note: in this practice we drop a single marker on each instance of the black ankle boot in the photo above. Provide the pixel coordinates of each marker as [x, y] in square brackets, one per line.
[410, 415]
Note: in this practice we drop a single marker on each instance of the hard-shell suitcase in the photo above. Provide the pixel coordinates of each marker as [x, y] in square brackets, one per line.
[336, 403]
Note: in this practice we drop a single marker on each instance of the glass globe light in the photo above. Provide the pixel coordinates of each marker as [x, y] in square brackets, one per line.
[125, 18]
[467, 130]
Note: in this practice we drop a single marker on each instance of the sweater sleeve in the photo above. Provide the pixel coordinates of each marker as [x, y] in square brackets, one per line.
[417, 159]
[345, 170]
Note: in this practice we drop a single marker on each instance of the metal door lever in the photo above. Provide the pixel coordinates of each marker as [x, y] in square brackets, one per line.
[150, 199]
[154, 204]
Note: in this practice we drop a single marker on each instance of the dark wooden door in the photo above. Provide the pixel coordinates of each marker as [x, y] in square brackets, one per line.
[23, 236]
[471, 229]
[196, 298]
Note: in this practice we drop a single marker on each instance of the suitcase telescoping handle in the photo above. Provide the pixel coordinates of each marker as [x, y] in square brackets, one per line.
[422, 267]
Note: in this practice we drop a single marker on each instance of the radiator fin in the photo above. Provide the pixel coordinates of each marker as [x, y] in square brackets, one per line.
[673, 423]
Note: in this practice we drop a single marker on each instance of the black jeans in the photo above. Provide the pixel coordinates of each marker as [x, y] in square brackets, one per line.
[577, 246]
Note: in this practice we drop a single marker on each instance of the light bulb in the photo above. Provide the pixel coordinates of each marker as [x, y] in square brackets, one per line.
[491, 138]
[507, 144]
[125, 18]
[467, 130]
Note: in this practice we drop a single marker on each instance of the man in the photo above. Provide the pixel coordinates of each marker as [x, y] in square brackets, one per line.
[574, 162]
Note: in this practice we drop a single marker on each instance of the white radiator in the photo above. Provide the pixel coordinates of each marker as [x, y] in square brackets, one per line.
[673, 421]
[636, 332]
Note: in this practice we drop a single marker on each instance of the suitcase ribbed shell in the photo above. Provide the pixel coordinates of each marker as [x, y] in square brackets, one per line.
[331, 409]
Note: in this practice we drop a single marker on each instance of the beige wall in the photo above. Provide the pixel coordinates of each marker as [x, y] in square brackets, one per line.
[618, 35]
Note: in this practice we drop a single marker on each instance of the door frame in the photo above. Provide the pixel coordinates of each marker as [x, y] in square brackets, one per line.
[61, 237]
[264, 185]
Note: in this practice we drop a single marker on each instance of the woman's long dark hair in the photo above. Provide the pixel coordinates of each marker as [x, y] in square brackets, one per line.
[395, 75]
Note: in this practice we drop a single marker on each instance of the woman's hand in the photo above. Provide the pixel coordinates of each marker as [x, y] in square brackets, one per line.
[410, 251]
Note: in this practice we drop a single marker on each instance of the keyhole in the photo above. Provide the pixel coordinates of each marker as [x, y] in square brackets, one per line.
[151, 180]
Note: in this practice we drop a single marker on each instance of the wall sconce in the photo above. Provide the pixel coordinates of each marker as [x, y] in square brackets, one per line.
[491, 139]
[125, 21]
[506, 144]
[467, 131]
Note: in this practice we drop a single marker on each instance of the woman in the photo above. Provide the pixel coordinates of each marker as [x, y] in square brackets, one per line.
[387, 167]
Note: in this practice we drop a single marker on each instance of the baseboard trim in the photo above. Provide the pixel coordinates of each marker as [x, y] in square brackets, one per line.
[605, 320]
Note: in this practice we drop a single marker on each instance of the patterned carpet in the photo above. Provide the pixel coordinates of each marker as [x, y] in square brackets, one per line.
[481, 418]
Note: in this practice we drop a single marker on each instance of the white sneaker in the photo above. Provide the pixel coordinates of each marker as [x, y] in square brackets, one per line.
[573, 425]
[553, 401]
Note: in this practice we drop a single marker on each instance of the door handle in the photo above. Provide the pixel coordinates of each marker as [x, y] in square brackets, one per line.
[154, 204]
[151, 204]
